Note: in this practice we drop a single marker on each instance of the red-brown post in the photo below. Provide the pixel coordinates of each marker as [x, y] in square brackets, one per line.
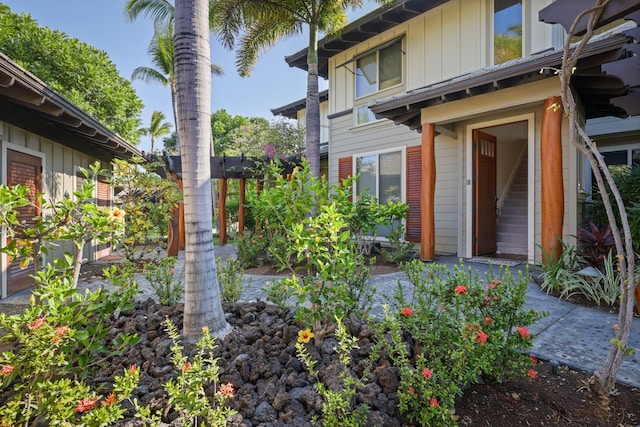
[243, 190]
[427, 201]
[222, 198]
[173, 232]
[552, 188]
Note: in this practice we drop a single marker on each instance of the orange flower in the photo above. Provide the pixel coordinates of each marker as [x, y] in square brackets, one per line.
[133, 369]
[433, 402]
[407, 311]
[411, 391]
[426, 373]
[117, 215]
[187, 366]
[227, 390]
[60, 332]
[532, 374]
[110, 399]
[534, 360]
[6, 370]
[305, 335]
[85, 404]
[460, 289]
[524, 332]
[488, 320]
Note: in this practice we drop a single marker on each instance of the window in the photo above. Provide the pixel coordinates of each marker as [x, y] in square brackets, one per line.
[507, 30]
[380, 176]
[376, 71]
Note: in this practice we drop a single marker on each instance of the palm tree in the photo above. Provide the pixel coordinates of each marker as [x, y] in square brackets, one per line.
[261, 23]
[161, 51]
[156, 128]
[203, 306]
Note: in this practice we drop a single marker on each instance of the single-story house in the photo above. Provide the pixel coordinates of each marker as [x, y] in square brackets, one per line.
[44, 141]
[447, 105]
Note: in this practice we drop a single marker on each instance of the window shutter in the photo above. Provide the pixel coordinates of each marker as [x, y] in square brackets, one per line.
[345, 169]
[414, 187]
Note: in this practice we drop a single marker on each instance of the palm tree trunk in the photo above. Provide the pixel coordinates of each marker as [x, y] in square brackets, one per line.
[203, 306]
[313, 105]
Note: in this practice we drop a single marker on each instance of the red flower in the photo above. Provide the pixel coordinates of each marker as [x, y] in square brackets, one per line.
[524, 332]
[488, 320]
[6, 370]
[411, 390]
[187, 366]
[36, 324]
[481, 337]
[227, 390]
[460, 289]
[532, 374]
[133, 369]
[407, 311]
[426, 373]
[85, 404]
[533, 359]
[433, 402]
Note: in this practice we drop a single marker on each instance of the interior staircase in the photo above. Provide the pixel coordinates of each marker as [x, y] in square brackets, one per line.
[512, 221]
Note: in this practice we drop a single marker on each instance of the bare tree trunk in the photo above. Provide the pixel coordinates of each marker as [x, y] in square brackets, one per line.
[203, 306]
[606, 374]
[313, 105]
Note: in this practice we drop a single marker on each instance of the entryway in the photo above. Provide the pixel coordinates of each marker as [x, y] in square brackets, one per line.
[500, 171]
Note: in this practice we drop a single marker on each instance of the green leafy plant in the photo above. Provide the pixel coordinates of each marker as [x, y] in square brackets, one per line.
[603, 289]
[399, 249]
[338, 408]
[40, 373]
[148, 200]
[278, 293]
[557, 271]
[187, 391]
[230, 279]
[251, 249]
[162, 279]
[460, 327]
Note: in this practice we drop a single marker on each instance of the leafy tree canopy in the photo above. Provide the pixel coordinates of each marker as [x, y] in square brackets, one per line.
[83, 74]
[260, 137]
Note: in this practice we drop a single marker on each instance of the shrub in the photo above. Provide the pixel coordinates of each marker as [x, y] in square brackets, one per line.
[594, 244]
[230, 279]
[251, 249]
[459, 327]
[161, 277]
[556, 271]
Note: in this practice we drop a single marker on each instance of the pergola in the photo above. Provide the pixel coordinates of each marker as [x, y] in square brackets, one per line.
[222, 168]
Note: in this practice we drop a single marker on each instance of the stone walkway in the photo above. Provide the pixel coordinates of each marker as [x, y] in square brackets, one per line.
[571, 335]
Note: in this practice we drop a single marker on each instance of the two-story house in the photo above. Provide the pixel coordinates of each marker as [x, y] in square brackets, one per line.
[447, 105]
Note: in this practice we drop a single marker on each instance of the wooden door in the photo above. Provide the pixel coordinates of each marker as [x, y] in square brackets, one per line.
[23, 169]
[484, 193]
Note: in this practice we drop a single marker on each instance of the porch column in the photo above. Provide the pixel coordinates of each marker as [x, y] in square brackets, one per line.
[172, 232]
[222, 214]
[427, 199]
[552, 189]
[243, 190]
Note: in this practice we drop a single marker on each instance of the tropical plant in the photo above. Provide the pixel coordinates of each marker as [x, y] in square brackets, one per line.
[156, 128]
[259, 24]
[230, 278]
[81, 73]
[557, 270]
[203, 305]
[602, 289]
[161, 47]
[595, 244]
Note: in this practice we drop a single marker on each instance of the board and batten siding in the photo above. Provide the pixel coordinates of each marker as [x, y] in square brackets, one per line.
[450, 40]
[59, 163]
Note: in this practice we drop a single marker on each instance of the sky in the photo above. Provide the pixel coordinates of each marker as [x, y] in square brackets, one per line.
[102, 24]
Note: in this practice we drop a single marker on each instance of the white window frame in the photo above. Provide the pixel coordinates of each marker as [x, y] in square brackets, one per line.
[403, 173]
[362, 101]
